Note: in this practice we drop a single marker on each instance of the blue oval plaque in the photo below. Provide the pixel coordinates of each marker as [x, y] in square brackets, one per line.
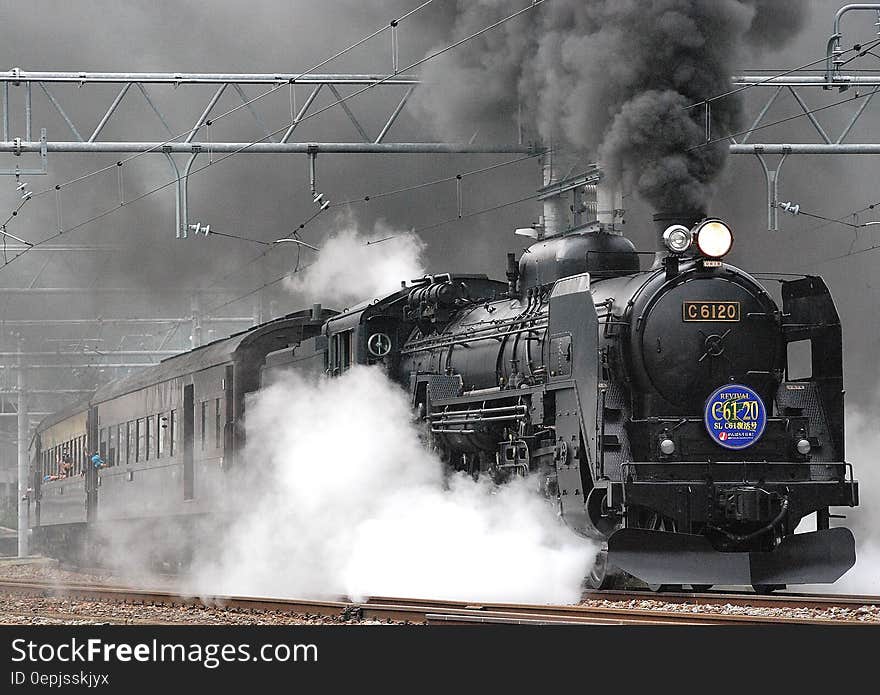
[735, 416]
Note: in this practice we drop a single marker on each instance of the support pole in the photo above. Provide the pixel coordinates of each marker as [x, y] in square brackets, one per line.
[178, 199]
[554, 219]
[257, 310]
[23, 497]
[771, 177]
[196, 338]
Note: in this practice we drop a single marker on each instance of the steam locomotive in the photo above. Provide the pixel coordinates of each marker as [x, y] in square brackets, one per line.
[655, 407]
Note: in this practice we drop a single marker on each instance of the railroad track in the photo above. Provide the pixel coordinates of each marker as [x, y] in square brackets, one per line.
[777, 600]
[434, 612]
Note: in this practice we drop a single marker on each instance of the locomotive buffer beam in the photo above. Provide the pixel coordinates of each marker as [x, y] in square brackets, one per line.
[661, 557]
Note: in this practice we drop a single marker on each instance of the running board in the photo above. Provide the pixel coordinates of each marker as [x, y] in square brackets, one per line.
[660, 557]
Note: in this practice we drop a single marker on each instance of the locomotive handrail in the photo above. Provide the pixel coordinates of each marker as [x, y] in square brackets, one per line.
[485, 329]
[474, 420]
[852, 482]
[418, 347]
[488, 325]
[454, 413]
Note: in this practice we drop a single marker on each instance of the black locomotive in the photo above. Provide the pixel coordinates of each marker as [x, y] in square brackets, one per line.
[654, 406]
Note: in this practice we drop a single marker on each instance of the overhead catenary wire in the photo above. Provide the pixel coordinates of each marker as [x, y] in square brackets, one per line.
[713, 141]
[419, 62]
[830, 220]
[840, 219]
[376, 196]
[245, 103]
[434, 182]
[856, 47]
[531, 6]
[415, 230]
[252, 292]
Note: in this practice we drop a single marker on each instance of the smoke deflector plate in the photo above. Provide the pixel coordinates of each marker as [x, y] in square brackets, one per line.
[820, 557]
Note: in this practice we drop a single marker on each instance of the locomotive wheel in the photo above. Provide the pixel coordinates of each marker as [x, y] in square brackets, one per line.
[660, 588]
[766, 589]
[603, 575]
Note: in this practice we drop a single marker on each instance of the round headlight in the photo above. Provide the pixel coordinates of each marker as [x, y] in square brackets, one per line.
[714, 239]
[667, 446]
[677, 238]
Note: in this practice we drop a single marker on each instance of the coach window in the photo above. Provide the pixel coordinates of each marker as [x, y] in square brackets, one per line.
[218, 424]
[140, 434]
[172, 426]
[162, 434]
[124, 443]
[204, 422]
[150, 436]
[111, 445]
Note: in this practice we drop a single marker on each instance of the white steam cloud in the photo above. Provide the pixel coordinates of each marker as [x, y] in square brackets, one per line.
[863, 443]
[344, 499]
[352, 266]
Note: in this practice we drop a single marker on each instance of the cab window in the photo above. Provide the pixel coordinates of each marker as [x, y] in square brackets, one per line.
[340, 352]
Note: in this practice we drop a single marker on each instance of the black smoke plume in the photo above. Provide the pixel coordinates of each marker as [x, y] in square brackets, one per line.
[612, 79]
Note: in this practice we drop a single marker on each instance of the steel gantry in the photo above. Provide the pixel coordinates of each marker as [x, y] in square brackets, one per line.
[858, 88]
[197, 138]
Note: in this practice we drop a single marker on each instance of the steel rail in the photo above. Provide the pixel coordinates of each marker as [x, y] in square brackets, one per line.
[776, 600]
[409, 610]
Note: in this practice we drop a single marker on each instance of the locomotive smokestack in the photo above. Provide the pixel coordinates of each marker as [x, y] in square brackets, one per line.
[662, 221]
[554, 218]
[512, 275]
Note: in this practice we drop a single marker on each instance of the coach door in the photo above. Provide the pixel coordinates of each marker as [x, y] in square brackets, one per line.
[188, 439]
[229, 423]
[91, 473]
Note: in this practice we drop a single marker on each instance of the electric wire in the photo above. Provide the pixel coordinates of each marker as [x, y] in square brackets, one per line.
[244, 104]
[447, 179]
[856, 47]
[713, 141]
[535, 3]
[415, 230]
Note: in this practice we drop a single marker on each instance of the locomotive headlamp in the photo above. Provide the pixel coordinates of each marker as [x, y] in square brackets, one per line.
[667, 446]
[803, 447]
[677, 238]
[714, 238]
